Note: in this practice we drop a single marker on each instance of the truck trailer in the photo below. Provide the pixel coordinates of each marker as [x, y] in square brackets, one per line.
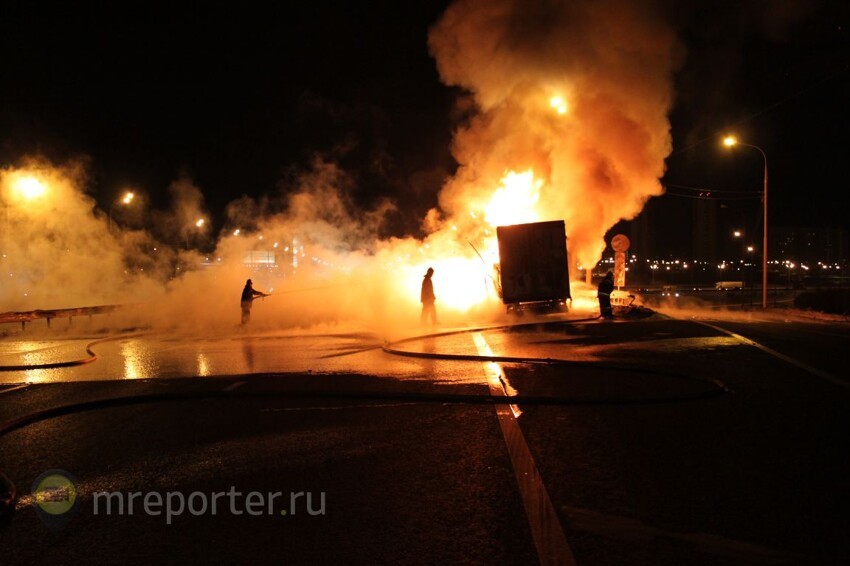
[533, 269]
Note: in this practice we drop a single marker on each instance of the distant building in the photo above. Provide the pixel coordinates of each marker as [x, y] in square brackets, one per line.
[808, 243]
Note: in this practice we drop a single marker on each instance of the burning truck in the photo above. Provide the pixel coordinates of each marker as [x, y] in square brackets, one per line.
[533, 272]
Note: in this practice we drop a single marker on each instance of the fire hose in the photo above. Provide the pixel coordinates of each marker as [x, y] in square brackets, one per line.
[716, 388]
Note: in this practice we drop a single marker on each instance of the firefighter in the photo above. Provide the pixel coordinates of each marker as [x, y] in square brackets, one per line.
[603, 293]
[248, 294]
[428, 299]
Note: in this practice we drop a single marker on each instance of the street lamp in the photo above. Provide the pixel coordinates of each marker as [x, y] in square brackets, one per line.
[199, 224]
[737, 234]
[126, 199]
[18, 188]
[30, 188]
[731, 141]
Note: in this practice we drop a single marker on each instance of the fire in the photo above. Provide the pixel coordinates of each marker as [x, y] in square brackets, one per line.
[514, 201]
[459, 283]
[463, 277]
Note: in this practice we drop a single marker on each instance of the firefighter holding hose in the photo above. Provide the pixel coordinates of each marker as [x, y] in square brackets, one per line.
[248, 294]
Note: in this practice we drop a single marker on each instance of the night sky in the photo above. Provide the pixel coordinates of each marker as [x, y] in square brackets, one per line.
[240, 98]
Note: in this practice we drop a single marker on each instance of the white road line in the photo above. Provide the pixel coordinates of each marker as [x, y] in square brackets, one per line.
[495, 376]
[813, 370]
[549, 538]
[235, 386]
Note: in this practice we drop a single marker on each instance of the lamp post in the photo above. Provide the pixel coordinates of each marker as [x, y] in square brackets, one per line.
[738, 235]
[125, 200]
[730, 141]
[199, 224]
[22, 188]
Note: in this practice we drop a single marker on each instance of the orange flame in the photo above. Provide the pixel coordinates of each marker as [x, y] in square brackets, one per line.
[515, 200]
[462, 279]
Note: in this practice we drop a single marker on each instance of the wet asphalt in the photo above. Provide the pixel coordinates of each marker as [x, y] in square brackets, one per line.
[644, 457]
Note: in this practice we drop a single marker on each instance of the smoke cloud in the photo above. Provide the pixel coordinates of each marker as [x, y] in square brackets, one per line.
[576, 91]
[565, 109]
[58, 250]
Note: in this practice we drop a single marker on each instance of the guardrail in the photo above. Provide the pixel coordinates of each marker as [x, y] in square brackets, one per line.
[29, 316]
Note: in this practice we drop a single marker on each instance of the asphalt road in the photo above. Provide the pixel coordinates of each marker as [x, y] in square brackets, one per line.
[642, 456]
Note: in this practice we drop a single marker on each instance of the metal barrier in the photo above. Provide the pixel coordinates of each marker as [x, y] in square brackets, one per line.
[29, 316]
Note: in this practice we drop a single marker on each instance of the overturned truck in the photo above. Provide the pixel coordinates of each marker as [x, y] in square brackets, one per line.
[533, 269]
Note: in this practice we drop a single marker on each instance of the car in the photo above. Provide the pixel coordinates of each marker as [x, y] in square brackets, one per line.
[669, 291]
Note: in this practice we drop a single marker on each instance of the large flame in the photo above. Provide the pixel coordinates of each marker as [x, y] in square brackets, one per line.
[514, 201]
[464, 254]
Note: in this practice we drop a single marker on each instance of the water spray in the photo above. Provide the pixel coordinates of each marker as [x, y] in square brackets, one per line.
[496, 284]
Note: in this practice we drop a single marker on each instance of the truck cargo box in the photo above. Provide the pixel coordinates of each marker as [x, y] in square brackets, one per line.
[533, 263]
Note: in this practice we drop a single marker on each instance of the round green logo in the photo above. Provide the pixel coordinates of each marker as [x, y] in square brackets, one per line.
[55, 493]
[56, 498]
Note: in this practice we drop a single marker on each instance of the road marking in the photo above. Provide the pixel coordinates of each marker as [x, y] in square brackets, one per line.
[235, 386]
[15, 388]
[804, 366]
[549, 538]
[495, 376]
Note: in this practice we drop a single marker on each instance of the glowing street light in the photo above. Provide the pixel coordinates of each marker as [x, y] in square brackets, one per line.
[737, 233]
[30, 188]
[199, 224]
[559, 104]
[125, 200]
[731, 141]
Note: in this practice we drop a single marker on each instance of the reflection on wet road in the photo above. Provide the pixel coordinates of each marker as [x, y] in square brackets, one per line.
[162, 355]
